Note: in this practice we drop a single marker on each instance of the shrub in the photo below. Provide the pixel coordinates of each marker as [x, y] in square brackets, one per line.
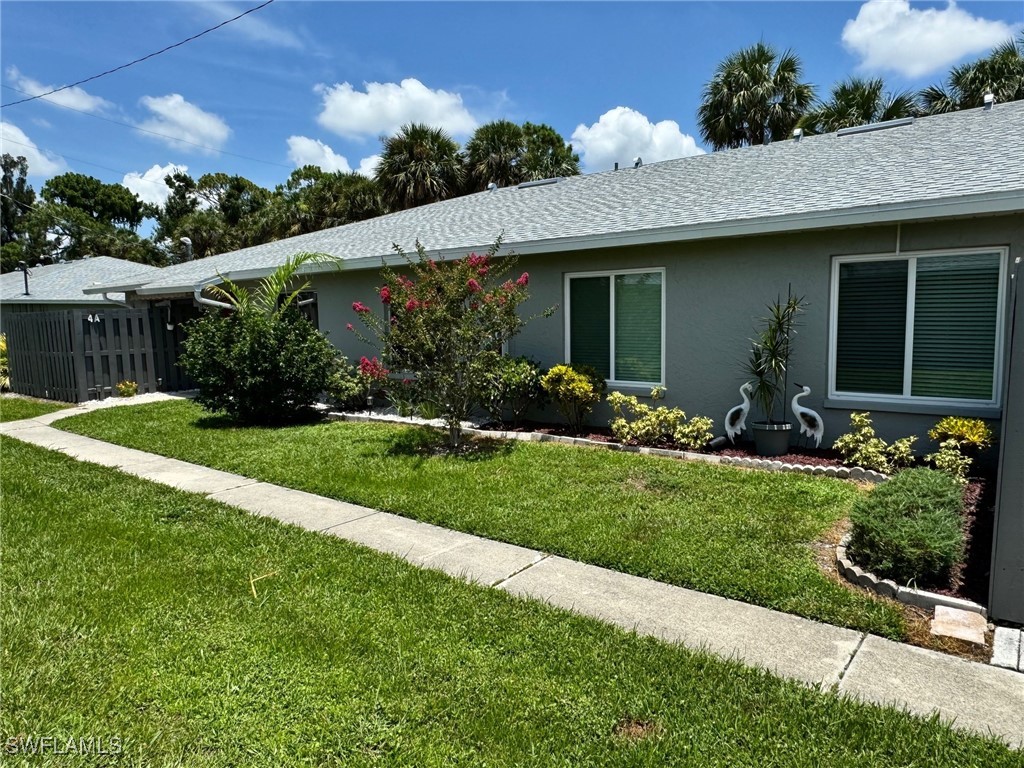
[346, 388]
[951, 459]
[439, 321]
[970, 434]
[258, 368]
[861, 447]
[261, 361]
[910, 529]
[127, 388]
[575, 390]
[5, 372]
[646, 425]
[509, 384]
[960, 441]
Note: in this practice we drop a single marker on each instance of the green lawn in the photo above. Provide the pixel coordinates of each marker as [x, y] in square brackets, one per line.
[722, 530]
[17, 408]
[128, 612]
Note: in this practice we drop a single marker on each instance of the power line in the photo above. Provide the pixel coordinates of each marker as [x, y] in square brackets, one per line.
[154, 133]
[138, 61]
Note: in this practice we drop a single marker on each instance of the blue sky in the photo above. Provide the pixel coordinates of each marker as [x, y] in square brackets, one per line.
[319, 82]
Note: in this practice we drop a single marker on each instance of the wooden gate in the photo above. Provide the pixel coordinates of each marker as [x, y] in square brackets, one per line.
[77, 355]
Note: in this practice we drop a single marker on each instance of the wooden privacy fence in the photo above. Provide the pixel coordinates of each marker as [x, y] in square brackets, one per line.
[76, 355]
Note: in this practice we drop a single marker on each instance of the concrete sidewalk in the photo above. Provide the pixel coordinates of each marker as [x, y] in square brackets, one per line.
[973, 696]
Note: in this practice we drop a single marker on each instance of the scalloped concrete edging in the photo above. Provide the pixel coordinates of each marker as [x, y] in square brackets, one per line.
[747, 462]
[888, 588]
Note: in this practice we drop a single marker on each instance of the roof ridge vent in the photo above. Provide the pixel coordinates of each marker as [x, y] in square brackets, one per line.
[870, 127]
[540, 182]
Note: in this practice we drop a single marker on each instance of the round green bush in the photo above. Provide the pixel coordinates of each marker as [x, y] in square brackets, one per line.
[910, 528]
[256, 367]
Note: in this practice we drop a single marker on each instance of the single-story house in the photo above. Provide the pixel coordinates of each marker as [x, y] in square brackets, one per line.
[902, 237]
[905, 238]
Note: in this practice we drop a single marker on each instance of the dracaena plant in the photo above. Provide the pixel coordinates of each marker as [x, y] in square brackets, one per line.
[770, 352]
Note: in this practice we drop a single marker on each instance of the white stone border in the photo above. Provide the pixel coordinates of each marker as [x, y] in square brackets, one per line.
[748, 462]
[888, 588]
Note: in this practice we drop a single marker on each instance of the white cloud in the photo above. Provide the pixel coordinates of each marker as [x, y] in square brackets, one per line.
[890, 35]
[384, 107]
[622, 134]
[181, 119]
[253, 28]
[75, 98]
[149, 185]
[305, 151]
[368, 166]
[13, 141]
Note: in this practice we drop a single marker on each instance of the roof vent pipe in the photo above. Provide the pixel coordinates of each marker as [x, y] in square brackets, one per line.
[187, 242]
[24, 268]
[637, 162]
[990, 99]
[798, 133]
[616, 166]
[491, 187]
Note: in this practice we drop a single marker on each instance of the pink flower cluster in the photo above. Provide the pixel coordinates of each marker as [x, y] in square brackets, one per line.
[473, 285]
[359, 307]
[372, 369]
[476, 261]
[385, 294]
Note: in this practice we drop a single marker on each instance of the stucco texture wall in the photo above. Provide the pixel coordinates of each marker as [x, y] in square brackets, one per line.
[716, 291]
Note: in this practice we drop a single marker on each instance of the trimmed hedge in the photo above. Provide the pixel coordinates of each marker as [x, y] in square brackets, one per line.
[910, 529]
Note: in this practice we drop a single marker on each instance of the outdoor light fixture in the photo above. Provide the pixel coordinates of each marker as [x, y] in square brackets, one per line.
[369, 403]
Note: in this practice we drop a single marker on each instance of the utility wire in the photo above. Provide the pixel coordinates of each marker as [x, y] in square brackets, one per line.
[138, 61]
[153, 133]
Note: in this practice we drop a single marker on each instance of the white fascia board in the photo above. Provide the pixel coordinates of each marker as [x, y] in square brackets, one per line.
[966, 205]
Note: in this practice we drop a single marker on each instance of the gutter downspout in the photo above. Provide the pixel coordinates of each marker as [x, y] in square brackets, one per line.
[197, 294]
[120, 303]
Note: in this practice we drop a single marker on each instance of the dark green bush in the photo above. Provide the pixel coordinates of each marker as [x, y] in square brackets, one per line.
[259, 368]
[347, 388]
[910, 528]
[509, 384]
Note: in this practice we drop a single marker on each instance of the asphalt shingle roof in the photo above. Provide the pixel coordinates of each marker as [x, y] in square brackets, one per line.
[63, 283]
[949, 157]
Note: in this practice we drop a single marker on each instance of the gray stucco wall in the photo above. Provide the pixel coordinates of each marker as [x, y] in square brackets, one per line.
[715, 293]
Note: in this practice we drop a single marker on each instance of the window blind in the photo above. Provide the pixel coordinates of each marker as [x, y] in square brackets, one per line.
[955, 307]
[871, 327]
[589, 323]
[638, 327]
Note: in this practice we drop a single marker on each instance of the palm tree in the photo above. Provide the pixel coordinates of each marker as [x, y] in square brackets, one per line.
[754, 97]
[1000, 73]
[276, 292]
[419, 165]
[494, 154]
[856, 101]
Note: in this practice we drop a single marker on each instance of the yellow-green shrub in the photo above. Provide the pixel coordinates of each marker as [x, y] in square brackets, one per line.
[861, 447]
[575, 390]
[647, 425]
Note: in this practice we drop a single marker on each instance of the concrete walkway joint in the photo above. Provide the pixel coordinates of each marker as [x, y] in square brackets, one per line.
[973, 696]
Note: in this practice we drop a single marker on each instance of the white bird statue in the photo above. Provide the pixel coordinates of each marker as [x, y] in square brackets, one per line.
[736, 418]
[810, 422]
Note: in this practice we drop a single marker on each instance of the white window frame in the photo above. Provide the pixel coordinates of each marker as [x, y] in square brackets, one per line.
[612, 273]
[911, 258]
